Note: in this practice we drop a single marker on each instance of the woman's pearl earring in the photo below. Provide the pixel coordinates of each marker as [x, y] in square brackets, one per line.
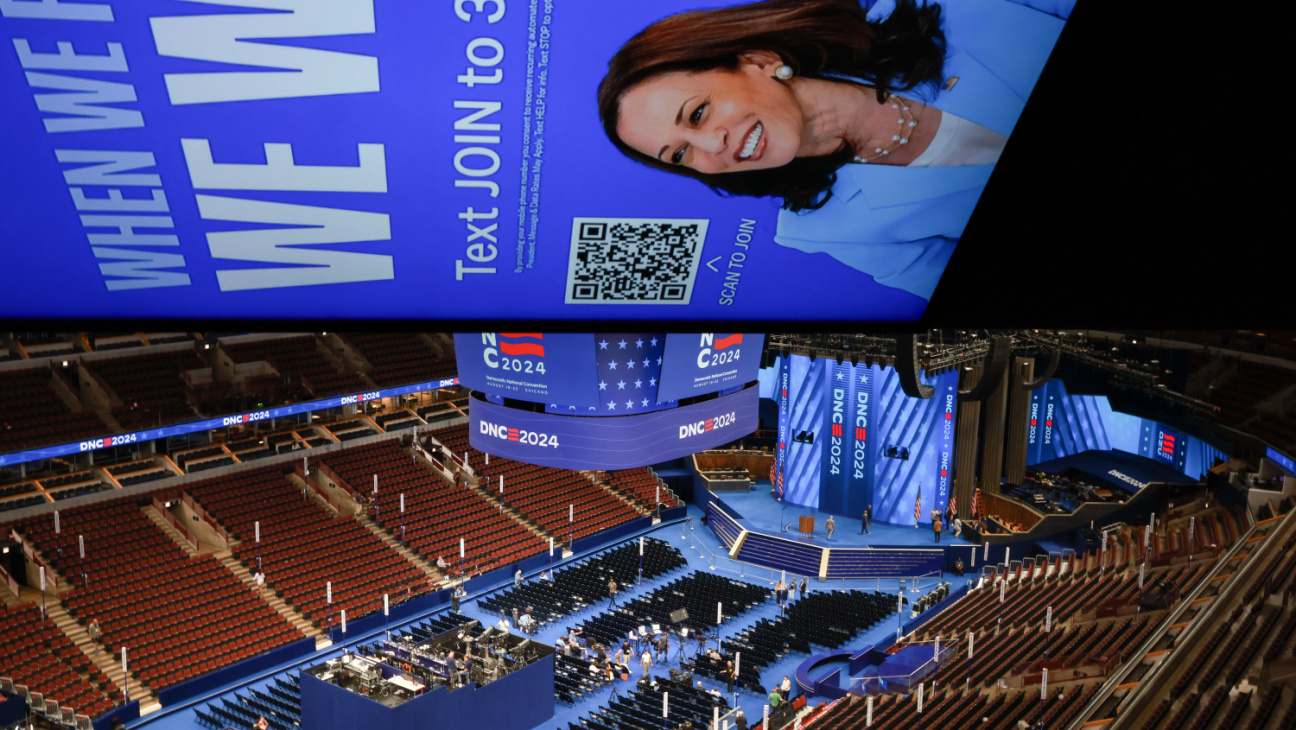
[783, 73]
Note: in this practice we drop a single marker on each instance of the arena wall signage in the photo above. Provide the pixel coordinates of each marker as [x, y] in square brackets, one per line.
[611, 442]
[324, 159]
[50, 452]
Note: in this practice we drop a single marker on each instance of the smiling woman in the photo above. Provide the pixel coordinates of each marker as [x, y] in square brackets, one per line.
[877, 128]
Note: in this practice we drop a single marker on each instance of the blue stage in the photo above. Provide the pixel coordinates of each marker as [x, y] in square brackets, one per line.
[756, 529]
[761, 513]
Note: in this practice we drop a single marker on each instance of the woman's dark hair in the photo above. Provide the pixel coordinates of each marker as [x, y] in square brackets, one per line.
[816, 38]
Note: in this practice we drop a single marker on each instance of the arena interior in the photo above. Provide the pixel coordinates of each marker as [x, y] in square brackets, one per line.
[287, 530]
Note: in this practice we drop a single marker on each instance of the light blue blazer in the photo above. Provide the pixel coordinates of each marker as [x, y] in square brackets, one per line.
[900, 224]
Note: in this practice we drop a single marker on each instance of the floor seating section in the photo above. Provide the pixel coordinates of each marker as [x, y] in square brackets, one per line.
[575, 677]
[33, 414]
[823, 618]
[279, 703]
[437, 514]
[178, 616]
[151, 386]
[696, 592]
[641, 709]
[642, 487]
[303, 546]
[542, 494]
[37, 654]
[401, 359]
[300, 360]
[585, 584]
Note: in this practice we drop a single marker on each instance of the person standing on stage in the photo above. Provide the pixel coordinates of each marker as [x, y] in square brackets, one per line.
[830, 525]
[646, 661]
[868, 519]
[936, 527]
[517, 579]
[786, 688]
[456, 597]
[729, 676]
[804, 588]
[663, 647]
[958, 527]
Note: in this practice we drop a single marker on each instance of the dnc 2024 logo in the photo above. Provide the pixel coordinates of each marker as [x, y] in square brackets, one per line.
[521, 352]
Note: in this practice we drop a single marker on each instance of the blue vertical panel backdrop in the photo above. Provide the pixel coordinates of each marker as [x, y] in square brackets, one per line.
[1062, 424]
[874, 413]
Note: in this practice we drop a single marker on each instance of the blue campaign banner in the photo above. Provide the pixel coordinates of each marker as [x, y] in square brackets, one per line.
[699, 364]
[782, 384]
[50, 452]
[836, 438]
[859, 480]
[531, 366]
[500, 160]
[611, 442]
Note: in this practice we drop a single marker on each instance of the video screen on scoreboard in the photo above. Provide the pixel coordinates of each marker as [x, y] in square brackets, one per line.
[483, 159]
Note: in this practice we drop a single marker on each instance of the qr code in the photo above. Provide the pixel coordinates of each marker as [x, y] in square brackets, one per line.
[634, 260]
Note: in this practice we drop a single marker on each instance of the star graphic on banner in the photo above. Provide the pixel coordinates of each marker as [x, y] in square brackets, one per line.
[612, 365]
[639, 342]
[591, 408]
[622, 343]
[620, 385]
[603, 345]
[602, 385]
[629, 404]
[638, 383]
[839, 376]
[553, 405]
[573, 408]
[611, 406]
[646, 361]
[654, 342]
[659, 361]
[652, 382]
[630, 363]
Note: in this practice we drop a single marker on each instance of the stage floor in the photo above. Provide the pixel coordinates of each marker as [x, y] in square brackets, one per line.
[761, 513]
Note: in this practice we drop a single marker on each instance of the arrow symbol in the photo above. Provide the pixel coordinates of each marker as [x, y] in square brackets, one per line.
[710, 264]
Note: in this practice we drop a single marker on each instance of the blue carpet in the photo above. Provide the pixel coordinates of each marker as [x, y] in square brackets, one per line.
[697, 545]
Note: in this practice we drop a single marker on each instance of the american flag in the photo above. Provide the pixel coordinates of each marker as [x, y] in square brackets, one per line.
[918, 508]
[952, 510]
[976, 504]
[628, 375]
